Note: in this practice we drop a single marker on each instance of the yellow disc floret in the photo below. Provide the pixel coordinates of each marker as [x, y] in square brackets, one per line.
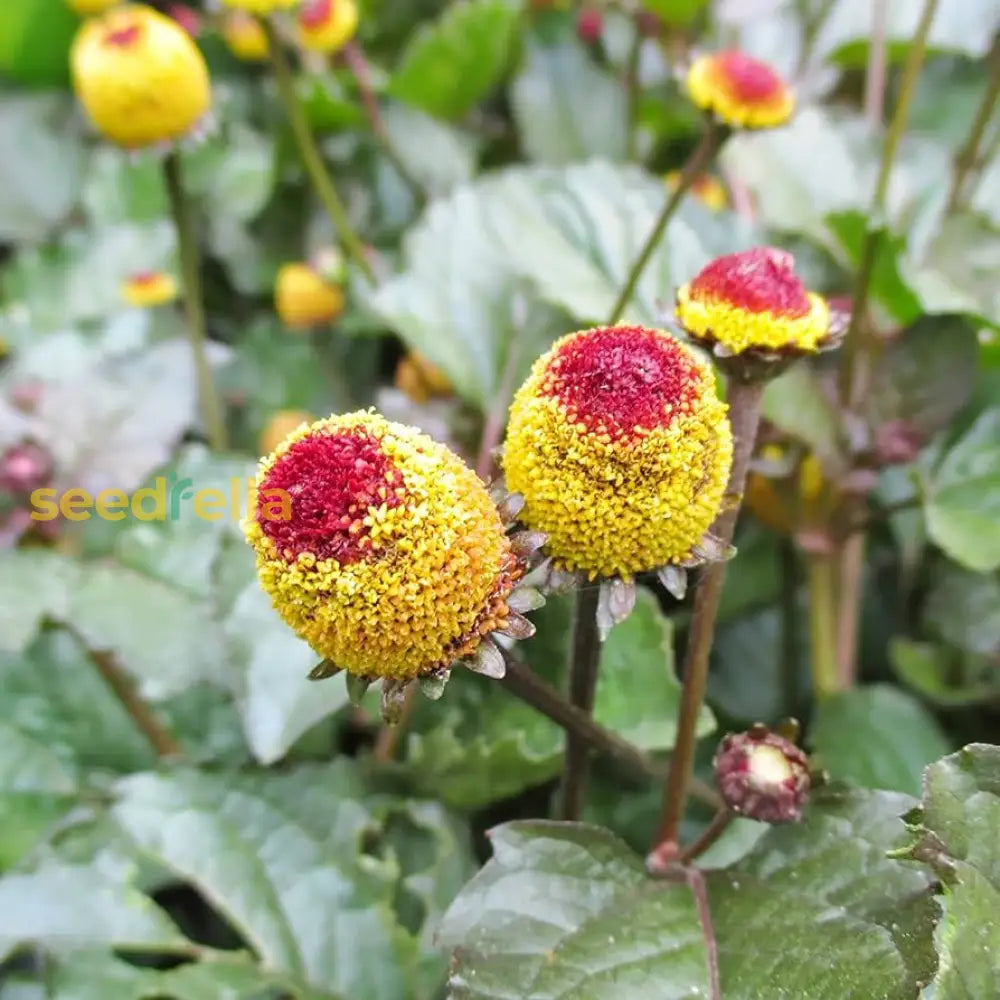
[304, 299]
[753, 299]
[621, 448]
[380, 547]
[739, 90]
[327, 25]
[140, 76]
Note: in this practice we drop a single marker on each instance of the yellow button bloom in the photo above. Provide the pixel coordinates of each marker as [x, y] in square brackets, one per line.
[245, 36]
[327, 25]
[303, 299]
[139, 76]
[149, 288]
[739, 90]
[380, 547]
[621, 448]
[261, 7]
[753, 300]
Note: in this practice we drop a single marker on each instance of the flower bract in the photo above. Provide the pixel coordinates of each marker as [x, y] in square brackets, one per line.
[753, 300]
[740, 91]
[380, 547]
[621, 448]
[140, 76]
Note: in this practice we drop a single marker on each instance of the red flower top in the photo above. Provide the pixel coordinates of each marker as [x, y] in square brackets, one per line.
[741, 91]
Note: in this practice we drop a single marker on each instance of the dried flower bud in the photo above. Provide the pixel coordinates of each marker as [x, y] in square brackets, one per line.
[762, 775]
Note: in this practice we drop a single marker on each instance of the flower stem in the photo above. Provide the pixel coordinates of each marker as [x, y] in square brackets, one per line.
[715, 829]
[876, 71]
[309, 151]
[744, 414]
[194, 309]
[789, 570]
[585, 661]
[851, 556]
[967, 159]
[710, 143]
[632, 91]
[159, 737]
[822, 624]
[876, 212]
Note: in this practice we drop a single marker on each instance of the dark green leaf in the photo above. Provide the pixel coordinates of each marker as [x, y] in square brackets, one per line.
[795, 403]
[963, 609]
[944, 676]
[878, 737]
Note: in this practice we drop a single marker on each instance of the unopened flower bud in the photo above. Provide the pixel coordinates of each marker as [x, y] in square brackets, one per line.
[589, 25]
[762, 776]
[24, 468]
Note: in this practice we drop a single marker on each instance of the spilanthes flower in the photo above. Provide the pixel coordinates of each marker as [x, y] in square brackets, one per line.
[261, 7]
[139, 76]
[621, 449]
[707, 189]
[281, 424]
[149, 288]
[742, 92]
[419, 379]
[304, 298]
[245, 36]
[386, 553]
[88, 8]
[327, 25]
[752, 310]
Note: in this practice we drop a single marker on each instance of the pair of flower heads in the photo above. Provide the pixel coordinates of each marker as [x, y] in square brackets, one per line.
[398, 563]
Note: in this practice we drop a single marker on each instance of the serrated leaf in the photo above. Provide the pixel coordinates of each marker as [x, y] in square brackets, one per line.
[289, 860]
[814, 910]
[65, 908]
[448, 65]
[962, 497]
[567, 108]
[877, 737]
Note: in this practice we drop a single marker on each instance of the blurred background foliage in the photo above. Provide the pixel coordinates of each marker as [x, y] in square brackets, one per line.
[515, 167]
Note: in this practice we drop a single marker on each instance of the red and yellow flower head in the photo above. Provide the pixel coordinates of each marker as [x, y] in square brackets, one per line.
[149, 288]
[327, 25]
[621, 448]
[753, 300]
[139, 76]
[740, 91]
[380, 547]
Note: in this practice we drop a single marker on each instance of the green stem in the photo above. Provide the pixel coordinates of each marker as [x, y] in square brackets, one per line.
[968, 156]
[309, 151]
[823, 624]
[585, 661]
[710, 143]
[632, 92]
[744, 413]
[876, 212]
[194, 309]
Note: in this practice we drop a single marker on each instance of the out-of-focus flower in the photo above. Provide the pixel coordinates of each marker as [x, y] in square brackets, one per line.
[386, 553]
[589, 25]
[740, 91]
[187, 17]
[752, 301]
[709, 190]
[261, 7]
[419, 379]
[88, 8]
[303, 299]
[139, 76]
[762, 776]
[24, 467]
[787, 493]
[622, 449]
[149, 288]
[245, 36]
[327, 25]
[281, 426]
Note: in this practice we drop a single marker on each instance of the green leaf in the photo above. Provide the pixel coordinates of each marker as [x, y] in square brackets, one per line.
[944, 676]
[448, 65]
[301, 864]
[567, 910]
[962, 497]
[814, 910]
[35, 38]
[567, 108]
[878, 737]
[119, 189]
[34, 585]
[963, 609]
[439, 156]
[795, 403]
[64, 908]
[40, 184]
[955, 833]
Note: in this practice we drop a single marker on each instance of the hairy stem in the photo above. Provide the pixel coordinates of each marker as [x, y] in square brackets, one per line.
[704, 153]
[696, 882]
[585, 660]
[967, 159]
[310, 154]
[744, 413]
[876, 212]
[160, 738]
[194, 308]
[823, 624]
